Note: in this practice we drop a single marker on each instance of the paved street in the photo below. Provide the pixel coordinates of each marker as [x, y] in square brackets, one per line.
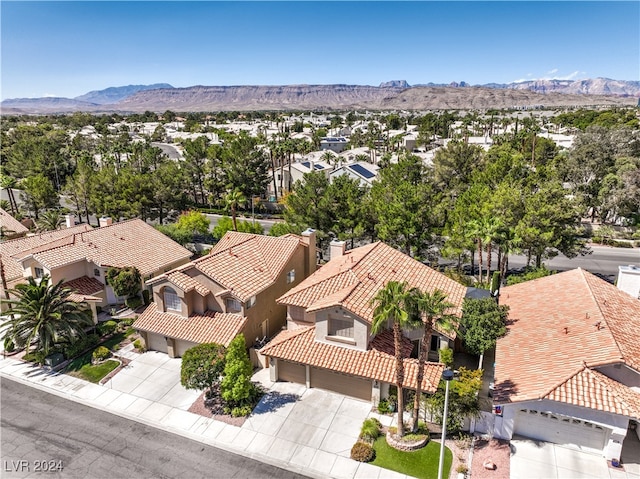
[89, 443]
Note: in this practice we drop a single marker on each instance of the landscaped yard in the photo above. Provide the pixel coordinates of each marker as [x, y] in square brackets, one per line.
[422, 463]
[95, 373]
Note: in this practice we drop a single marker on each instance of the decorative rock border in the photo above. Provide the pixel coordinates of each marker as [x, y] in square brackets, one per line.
[402, 445]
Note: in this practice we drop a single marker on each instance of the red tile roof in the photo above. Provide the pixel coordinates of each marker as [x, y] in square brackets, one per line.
[210, 327]
[592, 389]
[378, 362]
[559, 325]
[183, 281]
[84, 285]
[10, 225]
[247, 264]
[353, 280]
[128, 243]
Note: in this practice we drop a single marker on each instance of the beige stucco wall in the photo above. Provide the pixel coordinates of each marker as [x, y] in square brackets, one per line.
[361, 329]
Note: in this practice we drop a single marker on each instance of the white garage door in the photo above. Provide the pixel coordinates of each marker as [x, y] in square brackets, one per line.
[341, 383]
[182, 346]
[292, 372]
[558, 429]
[156, 342]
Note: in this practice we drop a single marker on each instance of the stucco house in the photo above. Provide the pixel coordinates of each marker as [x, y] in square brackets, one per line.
[568, 370]
[81, 255]
[231, 290]
[328, 342]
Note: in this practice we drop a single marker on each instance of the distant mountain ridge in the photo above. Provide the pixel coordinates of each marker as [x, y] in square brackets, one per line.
[396, 94]
[115, 94]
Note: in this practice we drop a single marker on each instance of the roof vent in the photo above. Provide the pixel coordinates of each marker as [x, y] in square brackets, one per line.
[598, 325]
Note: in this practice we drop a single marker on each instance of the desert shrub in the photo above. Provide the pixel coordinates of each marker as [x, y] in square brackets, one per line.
[107, 328]
[362, 452]
[138, 345]
[101, 353]
[383, 407]
[80, 346]
[370, 429]
[462, 469]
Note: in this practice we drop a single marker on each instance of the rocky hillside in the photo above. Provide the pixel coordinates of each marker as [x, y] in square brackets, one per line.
[116, 93]
[596, 86]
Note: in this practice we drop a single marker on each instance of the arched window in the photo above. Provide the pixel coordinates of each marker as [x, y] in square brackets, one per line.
[171, 300]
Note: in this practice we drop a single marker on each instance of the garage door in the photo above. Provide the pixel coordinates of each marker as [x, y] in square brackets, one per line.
[156, 342]
[292, 372]
[558, 429]
[341, 383]
[182, 346]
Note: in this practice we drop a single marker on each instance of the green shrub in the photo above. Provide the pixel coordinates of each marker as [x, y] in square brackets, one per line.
[241, 411]
[362, 452]
[370, 429]
[138, 345]
[446, 357]
[101, 353]
[107, 328]
[80, 346]
[36, 357]
[9, 345]
[133, 303]
[383, 407]
[145, 297]
[529, 274]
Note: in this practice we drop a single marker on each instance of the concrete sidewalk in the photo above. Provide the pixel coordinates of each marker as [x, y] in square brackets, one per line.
[326, 454]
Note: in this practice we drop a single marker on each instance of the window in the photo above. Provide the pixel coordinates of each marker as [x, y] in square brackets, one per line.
[434, 343]
[96, 272]
[291, 276]
[39, 272]
[251, 303]
[233, 305]
[171, 300]
[341, 327]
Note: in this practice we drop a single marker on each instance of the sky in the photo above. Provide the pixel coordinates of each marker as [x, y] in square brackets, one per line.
[70, 48]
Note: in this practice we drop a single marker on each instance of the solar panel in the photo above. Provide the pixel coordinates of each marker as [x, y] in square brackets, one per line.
[306, 164]
[362, 171]
[318, 167]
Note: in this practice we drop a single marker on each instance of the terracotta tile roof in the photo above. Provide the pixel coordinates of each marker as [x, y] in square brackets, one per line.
[559, 324]
[592, 389]
[185, 282]
[354, 279]
[210, 327]
[85, 285]
[247, 264]
[378, 362]
[128, 243]
[13, 249]
[11, 225]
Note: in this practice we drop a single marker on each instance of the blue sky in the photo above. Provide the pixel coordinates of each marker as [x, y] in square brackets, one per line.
[69, 48]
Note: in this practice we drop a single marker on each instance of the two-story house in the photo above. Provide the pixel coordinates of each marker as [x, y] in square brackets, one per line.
[568, 369]
[231, 290]
[81, 255]
[328, 342]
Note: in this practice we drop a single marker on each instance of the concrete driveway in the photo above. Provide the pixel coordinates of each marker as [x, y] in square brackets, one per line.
[156, 377]
[531, 459]
[310, 428]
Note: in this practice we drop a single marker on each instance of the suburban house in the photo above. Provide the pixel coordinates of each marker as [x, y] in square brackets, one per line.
[328, 341]
[629, 280]
[298, 170]
[231, 290]
[336, 144]
[568, 370]
[81, 255]
[11, 227]
[362, 171]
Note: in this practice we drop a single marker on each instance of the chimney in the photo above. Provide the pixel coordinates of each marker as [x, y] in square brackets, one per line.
[105, 221]
[309, 238]
[336, 249]
[70, 221]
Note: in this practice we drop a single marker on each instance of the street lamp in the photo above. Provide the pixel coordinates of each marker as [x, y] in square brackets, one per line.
[447, 375]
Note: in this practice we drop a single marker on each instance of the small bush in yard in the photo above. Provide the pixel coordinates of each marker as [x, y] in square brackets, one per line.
[241, 411]
[462, 469]
[138, 345]
[362, 452]
[370, 429]
[101, 353]
[80, 346]
[107, 327]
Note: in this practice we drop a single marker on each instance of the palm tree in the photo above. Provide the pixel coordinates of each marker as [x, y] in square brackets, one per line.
[428, 310]
[8, 183]
[234, 199]
[45, 312]
[390, 305]
[50, 220]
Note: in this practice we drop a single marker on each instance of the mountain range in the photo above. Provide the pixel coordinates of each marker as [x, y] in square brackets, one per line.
[391, 95]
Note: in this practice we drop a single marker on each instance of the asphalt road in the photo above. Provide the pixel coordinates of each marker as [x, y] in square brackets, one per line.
[43, 431]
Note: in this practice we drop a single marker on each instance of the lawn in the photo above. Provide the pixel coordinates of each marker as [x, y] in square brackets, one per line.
[422, 463]
[95, 373]
[81, 361]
